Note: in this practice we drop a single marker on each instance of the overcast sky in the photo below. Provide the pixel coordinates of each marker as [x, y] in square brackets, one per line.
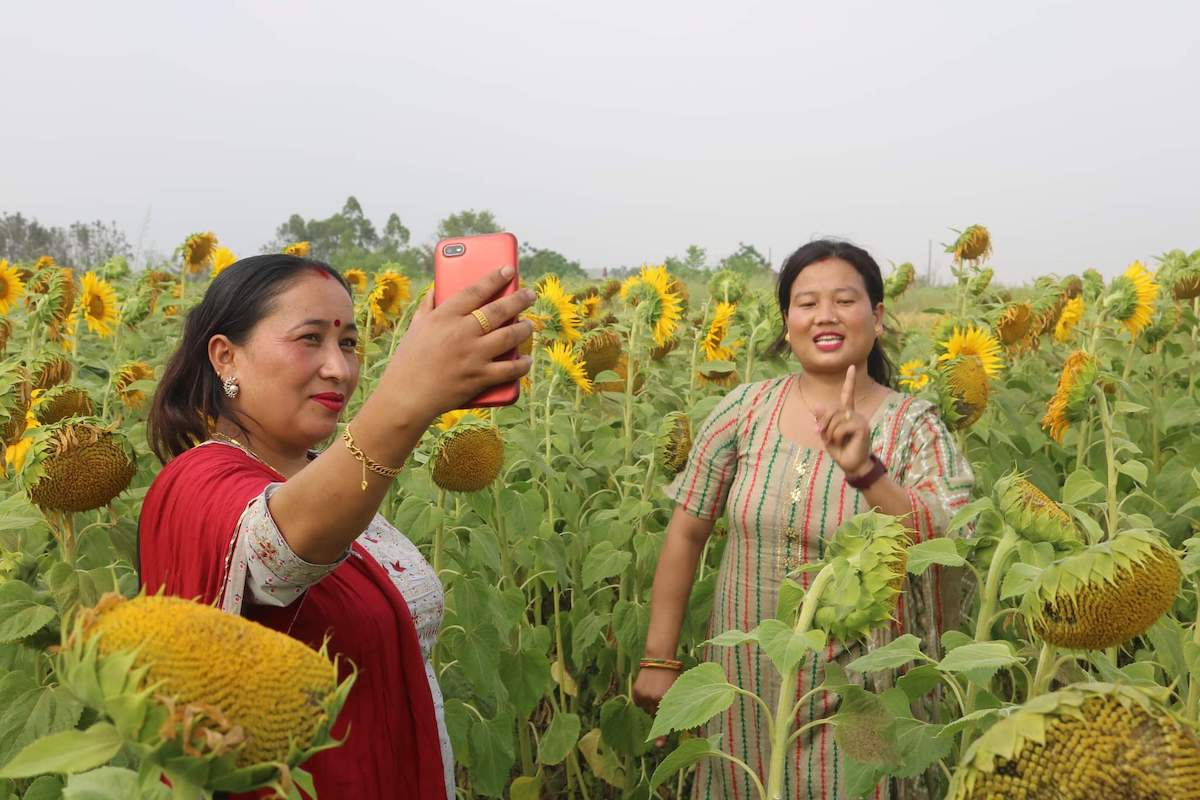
[618, 132]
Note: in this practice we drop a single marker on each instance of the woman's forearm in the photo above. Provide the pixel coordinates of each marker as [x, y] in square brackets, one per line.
[673, 578]
[323, 508]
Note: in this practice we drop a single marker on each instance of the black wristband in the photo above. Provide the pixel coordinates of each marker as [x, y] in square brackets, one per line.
[877, 471]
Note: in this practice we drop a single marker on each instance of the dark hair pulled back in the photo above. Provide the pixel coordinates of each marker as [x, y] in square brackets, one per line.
[879, 367]
[190, 392]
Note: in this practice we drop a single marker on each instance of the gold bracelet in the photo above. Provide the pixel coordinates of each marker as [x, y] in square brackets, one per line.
[367, 462]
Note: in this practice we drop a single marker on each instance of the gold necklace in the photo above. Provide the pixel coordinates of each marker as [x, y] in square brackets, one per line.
[221, 437]
[803, 399]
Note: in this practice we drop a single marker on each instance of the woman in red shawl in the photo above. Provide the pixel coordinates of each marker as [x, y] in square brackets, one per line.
[247, 516]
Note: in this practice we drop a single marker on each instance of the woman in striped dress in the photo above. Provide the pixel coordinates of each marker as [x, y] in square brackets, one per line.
[788, 460]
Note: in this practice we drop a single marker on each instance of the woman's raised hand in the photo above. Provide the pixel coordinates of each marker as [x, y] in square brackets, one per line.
[845, 432]
[445, 357]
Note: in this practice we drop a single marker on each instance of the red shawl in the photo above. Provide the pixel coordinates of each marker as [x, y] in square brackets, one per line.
[185, 534]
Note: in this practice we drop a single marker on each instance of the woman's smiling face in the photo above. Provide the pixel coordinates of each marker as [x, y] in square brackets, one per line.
[831, 322]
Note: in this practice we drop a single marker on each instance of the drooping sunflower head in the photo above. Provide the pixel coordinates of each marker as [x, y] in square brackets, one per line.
[78, 464]
[5, 334]
[1087, 740]
[198, 251]
[1014, 323]
[899, 280]
[127, 375]
[61, 402]
[563, 361]
[1106, 593]
[53, 292]
[49, 369]
[392, 290]
[588, 308]
[723, 374]
[661, 351]
[964, 392]
[973, 341]
[1031, 513]
[1071, 314]
[600, 349]
[1179, 274]
[558, 309]
[868, 554]
[1070, 402]
[44, 262]
[222, 259]
[16, 394]
[914, 375]
[356, 278]
[713, 344]
[298, 249]
[11, 286]
[610, 289]
[727, 285]
[99, 304]
[972, 244]
[1131, 298]
[673, 443]
[468, 456]
[650, 291]
[1166, 319]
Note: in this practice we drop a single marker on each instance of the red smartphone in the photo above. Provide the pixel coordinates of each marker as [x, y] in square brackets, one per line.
[460, 262]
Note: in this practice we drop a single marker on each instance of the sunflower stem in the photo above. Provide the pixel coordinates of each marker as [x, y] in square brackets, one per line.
[695, 356]
[1110, 457]
[1192, 705]
[630, 366]
[987, 609]
[1046, 667]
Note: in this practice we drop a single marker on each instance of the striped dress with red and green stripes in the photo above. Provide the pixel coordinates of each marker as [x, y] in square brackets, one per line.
[783, 502]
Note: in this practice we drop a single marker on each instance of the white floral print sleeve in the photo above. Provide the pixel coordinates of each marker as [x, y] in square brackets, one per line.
[264, 570]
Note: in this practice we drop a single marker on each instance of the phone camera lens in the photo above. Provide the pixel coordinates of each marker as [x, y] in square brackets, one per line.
[452, 250]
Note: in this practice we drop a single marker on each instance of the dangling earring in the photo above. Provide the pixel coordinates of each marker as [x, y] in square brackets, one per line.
[787, 337]
[230, 385]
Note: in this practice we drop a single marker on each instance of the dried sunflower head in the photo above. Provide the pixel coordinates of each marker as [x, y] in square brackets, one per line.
[468, 456]
[673, 443]
[78, 465]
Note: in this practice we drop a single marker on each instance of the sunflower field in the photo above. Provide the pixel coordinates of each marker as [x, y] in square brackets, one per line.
[1073, 671]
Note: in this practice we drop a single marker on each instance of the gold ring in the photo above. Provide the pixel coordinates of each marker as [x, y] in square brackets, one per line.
[849, 415]
[482, 319]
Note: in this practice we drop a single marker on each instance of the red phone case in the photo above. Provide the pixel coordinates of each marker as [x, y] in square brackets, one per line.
[480, 256]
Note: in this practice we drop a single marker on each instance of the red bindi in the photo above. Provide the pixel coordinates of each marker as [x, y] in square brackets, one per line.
[322, 272]
[337, 323]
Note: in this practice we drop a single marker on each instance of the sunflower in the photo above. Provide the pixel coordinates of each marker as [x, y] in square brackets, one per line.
[1132, 298]
[652, 288]
[298, 249]
[717, 374]
[966, 384]
[448, 420]
[11, 286]
[5, 333]
[43, 262]
[977, 342]
[568, 364]
[222, 259]
[558, 309]
[99, 304]
[128, 375]
[589, 308]
[173, 309]
[972, 244]
[1070, 401]
[913, 376]
[356, 278]
[1071, 314]
[1014, 323]
[718, 329]
[601, 350]
[198, 250]
[391, 292]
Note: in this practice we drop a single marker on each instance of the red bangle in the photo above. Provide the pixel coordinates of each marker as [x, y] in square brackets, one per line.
[864, 482]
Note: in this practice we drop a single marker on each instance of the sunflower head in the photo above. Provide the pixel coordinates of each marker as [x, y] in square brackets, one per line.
[5, 334]
[392, 290]
[1070, 316]
[356, 278]
[650, 291]
[600, 350]
[198, 250]
[718, 373]
[49, 369]
[61, 402]
[588, 308]
[622, 370]
[980, 281]
[298, 249]
[1180, 274]
[44, 262]
[1166, 319]
[964, 391]
[727, 285]
[1032, 514]
[659, 352]
[868, 554]
[914, 375]
[1131, 298]
[973, 341]
[129, 374]
[563, 361]
[673, 443]
[451, 418]
[16, 394]
[899, 280]
[99, 305]
[11, 286]
[713, 344]
[1014, 323]
[78, 465]
[1104, 594]
[1070, 402]
[972, 244]
[558, 308]
[610, 289]
[468, 456]
[53, 293]
[222, 259]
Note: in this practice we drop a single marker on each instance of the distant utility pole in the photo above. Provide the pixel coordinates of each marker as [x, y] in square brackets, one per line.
[929, 264]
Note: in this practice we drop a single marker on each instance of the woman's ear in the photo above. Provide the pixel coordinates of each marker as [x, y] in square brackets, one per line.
[878, 319]
[220, 354]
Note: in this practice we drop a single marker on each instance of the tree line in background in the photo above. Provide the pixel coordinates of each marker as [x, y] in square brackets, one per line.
[346, 238]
